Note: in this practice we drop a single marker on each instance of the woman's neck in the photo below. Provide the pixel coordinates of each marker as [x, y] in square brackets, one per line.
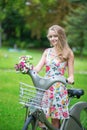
[55, 51]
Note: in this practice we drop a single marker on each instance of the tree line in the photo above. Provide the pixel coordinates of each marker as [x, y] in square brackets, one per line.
[24, 23]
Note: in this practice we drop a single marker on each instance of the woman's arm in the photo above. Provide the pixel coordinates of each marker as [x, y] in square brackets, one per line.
[41, 63]
[71, 67]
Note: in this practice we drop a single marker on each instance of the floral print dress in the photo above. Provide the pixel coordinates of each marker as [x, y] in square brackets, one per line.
[56, 98]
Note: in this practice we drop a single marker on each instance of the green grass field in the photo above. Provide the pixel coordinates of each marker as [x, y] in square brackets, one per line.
[11, 112]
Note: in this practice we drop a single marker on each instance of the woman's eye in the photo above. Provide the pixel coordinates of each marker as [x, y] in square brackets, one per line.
[52, 36]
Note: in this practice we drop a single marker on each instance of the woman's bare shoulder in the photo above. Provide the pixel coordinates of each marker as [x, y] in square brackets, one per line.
[47, 50]
[71, 54]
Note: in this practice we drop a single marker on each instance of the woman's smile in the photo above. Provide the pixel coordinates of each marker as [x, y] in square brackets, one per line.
[53, 37]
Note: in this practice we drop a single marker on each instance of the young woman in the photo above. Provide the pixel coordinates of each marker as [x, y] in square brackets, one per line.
[56, 59]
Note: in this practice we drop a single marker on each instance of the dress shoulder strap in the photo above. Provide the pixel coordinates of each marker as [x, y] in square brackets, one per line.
[48, 51]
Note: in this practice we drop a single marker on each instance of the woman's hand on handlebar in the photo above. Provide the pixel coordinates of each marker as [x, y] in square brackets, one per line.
[70, 80]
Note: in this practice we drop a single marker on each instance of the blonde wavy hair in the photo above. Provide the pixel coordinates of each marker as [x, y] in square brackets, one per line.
[62, 47]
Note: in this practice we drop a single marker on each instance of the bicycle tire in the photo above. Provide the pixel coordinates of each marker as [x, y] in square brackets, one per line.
[30, 124]
[77, 121]
[83, 118]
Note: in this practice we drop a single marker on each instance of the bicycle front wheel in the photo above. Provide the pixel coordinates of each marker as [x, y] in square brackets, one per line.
[31, 124]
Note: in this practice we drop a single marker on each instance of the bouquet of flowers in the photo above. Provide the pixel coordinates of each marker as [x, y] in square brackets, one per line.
[24, 64]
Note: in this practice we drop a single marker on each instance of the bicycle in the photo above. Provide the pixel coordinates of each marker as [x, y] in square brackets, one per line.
[31, 97]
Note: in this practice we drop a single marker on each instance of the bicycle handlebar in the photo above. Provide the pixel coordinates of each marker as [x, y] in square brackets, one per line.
[45, 83]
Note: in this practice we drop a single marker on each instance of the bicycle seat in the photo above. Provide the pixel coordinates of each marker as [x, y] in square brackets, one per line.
[75, 92]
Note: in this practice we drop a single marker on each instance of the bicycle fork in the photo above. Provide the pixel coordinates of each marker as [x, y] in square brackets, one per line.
[40, 116]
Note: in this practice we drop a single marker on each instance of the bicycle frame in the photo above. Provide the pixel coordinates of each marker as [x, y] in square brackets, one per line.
[73, 122]
[40, 82]
[67, 124]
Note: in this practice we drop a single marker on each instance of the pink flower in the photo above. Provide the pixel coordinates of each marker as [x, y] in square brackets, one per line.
[56, 114]
[47, 68]
[52, 108]
[51, 95]
[22, 64]
[62, 71]
[65, 114]
[51, 88]
[65, 92]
